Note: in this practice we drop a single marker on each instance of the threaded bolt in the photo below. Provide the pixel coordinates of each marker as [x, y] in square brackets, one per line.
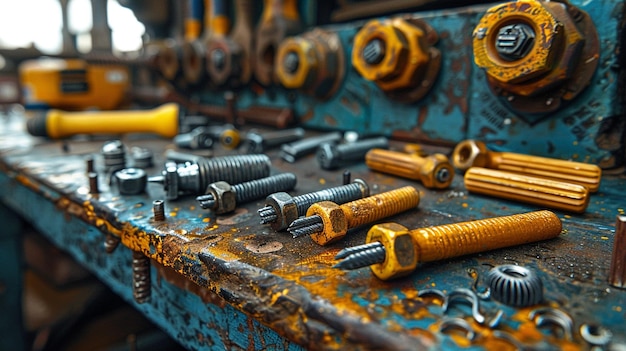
[194, 178]
[514, 41]
[331, 156]
[374, 51]
[158, 209]
[93, 183]
[405, 248]
[327, 222]
[281, 208]
[223, 198]
[141, 277]
[111, 242]
[89, 165]
[257, 142]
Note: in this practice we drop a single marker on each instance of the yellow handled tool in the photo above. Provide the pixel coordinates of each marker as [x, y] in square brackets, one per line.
[58, 124]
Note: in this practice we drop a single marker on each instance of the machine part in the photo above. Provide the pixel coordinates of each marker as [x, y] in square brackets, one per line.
[531, 190]
[398, 55]
[280, 19]
[327, 222]
[57, 124]
[474, 153]
[551, 316]
[345, 177]
[114, 155]
[393, 251]
[89, 164]
[434, 171]
[142, 157]
[293, 151]
[141, 277]
[313, 62]
[222, 197]
[515, 285]
[536, 53]
[260, 142]
[457, 324]
[617, 272]
[486, 294]
[468, 296]
[198, 138]
[596, 335]
[331, 156]
[281, 208]
[111, 242]
[93, 183]
[158, 210]
[131, 181]
[194, 178]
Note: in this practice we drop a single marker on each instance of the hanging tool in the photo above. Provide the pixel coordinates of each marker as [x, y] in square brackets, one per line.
[392, 250]
[57, 124]
[327, 222]
[474, 153]
[542, 192]
[434, 171]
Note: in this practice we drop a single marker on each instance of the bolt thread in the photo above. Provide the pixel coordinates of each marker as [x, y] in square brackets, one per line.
[206, 201]
[338, 195]
[354, 249]
[457, 239]
[158, 209]
[373, 208]
[233, 169]
[141, 277]
[111, 242]
[93, 183]
[364, 258]
[306, 226]
[260, 188]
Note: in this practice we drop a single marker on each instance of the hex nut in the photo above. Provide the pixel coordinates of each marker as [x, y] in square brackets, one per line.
[402, 254]
[396, 50]
[131, 181]
[285, 208]
[470, 153]
[437, 172]
[307, 62]
[225, 197]
[334, 219]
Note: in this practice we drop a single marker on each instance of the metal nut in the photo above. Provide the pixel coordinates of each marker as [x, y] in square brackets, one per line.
[307, 62]
[470, 153]
[396, 51]
[283, 204]
[225, 197]
[131, 181]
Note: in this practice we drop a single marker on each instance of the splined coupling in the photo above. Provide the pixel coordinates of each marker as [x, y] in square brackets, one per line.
[515, 285]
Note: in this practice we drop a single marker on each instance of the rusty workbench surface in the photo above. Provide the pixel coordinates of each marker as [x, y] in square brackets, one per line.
[287, 285]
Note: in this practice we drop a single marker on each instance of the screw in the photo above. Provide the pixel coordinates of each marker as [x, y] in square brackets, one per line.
[514, 41]
[93, 183]
[327, 222]
[346, 177]
[111, 242]
[330, 156]
[434, 171]
[291, 62]
[281, 208]
[617, 273]
[223, 198]
[257, 143]
[141, 277]
[374, 51]
[393, 250]
[89, 165]
[195, 177]
[158, 209]
[292, 151]
[142, 157]
[114, 155]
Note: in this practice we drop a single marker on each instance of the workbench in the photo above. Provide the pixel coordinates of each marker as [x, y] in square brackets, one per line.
[257, 289]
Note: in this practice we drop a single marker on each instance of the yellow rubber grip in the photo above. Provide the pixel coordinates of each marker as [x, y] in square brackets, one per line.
[162, 120]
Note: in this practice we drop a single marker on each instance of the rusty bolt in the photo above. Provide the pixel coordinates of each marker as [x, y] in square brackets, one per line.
[514, 41]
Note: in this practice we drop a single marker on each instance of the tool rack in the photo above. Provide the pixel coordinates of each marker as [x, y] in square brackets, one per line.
[227, 282]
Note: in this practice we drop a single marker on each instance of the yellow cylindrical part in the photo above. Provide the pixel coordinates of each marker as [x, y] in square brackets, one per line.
[473, 153]
[338, 219]
[434, 171]
[542, 192]
[405, 249]
[162, 120]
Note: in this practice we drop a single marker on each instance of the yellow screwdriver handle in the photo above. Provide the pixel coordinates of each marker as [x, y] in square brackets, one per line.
[57, 124]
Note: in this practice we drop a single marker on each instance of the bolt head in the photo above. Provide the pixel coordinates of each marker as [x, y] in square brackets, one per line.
[334, 219]
[254, 143]
[514, 41]
[131, 181]
[327, 156]
[402, 254]
[285, 208]
[374, 51]
[225, 197]
[436, 172]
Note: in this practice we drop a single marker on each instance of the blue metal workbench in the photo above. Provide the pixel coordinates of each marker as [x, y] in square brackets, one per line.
[257, 289]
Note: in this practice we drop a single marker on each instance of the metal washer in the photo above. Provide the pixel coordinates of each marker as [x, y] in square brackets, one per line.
[515, 285]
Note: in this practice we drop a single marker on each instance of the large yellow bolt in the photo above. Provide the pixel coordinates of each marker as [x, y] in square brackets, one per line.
[542, 192]
[394, 251]
[327, 222]
[434, 171]
[473, 153]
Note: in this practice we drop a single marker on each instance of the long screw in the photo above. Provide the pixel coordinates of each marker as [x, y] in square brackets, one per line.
[331, 156]
[327, 222]
[141, 277]
[392, 250]
[257, 142]
[223, 197]
[195, 177]
[281, 208]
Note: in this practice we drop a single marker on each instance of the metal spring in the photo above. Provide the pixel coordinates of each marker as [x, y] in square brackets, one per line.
[515, 285]
[141, 277]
